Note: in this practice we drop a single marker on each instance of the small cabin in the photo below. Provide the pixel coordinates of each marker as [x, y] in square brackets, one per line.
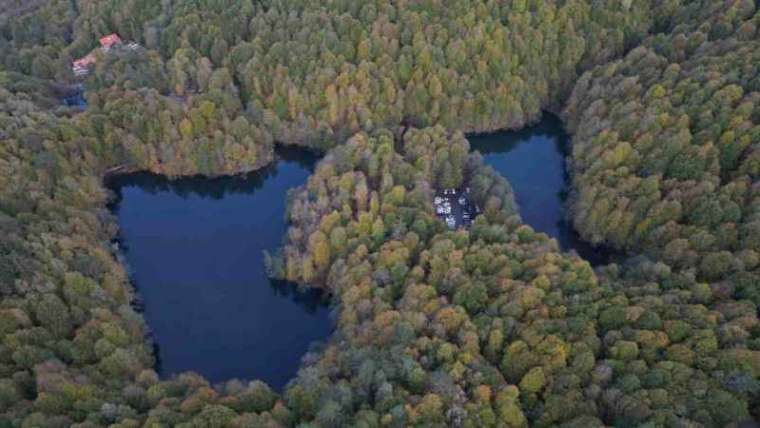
[82, 66]
[109, 41]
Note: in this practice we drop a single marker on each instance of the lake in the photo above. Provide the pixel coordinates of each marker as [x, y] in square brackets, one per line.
[194, 247]
[533, 160]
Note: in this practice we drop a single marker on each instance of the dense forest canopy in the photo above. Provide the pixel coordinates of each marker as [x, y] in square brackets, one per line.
[316, 72]
[667, 149]
[490, 326]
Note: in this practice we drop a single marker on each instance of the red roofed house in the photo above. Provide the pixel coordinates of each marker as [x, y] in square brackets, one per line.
[109, 41]
[82, 65]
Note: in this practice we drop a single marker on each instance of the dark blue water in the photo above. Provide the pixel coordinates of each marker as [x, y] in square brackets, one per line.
[74, 97]
[195, 250]
[533, 160]
[75, 100]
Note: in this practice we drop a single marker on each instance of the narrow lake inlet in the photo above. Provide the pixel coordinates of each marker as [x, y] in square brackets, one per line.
[533, 161]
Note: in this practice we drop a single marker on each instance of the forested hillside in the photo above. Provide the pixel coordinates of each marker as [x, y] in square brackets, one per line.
[316, 72]
[495, 326]
[488, 327]
[666, 155]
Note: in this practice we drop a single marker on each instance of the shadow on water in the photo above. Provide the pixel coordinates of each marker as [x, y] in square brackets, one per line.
[533, 160]
[195, 247]
[73, 96]
[215, 187]
[305, 158]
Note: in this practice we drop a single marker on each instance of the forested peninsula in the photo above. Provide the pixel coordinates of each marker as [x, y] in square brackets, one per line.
[487, 326]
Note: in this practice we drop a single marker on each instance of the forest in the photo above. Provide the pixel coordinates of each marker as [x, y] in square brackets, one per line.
[492, 326]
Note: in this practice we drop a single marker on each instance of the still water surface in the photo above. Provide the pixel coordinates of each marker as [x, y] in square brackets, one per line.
[195, 250]
[533, 160]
